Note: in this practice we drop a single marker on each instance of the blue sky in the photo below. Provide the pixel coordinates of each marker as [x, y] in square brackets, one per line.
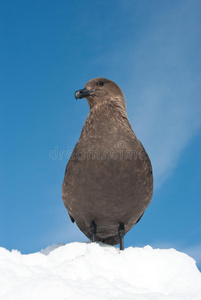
[48, 50]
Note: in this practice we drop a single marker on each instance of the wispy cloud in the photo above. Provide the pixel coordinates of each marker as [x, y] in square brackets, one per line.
[163, 90]
[195, 252]
[165, 122]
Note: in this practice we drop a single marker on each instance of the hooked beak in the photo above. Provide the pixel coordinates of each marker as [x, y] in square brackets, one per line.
[82, 93]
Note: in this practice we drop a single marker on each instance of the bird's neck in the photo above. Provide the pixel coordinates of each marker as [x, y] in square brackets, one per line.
[112, 107]
[104, 117]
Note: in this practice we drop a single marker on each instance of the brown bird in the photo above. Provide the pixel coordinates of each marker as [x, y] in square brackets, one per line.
[108, 181]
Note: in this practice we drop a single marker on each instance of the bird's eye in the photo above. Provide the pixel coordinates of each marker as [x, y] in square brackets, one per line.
[101, 83]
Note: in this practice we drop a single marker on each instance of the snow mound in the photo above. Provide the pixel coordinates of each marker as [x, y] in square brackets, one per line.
[94, 271]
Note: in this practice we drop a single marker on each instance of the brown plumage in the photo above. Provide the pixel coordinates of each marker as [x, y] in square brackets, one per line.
[108, 178]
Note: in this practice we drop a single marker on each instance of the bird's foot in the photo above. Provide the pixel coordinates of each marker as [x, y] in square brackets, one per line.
[121, 233]
[93, 231]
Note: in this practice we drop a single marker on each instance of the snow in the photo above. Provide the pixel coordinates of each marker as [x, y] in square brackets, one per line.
[95, 271]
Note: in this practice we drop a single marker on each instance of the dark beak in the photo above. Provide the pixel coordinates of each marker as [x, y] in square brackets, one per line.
[82, 93]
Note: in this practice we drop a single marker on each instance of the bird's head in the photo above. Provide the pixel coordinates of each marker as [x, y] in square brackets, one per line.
[100, 90]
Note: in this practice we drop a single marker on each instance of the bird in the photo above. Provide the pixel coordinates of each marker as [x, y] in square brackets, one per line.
[108, 181]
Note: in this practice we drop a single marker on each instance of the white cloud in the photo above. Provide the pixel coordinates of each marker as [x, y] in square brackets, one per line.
[195, 252]
[163, 92]
[165, 122]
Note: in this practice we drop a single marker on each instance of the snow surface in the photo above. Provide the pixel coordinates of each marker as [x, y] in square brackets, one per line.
[95, 271]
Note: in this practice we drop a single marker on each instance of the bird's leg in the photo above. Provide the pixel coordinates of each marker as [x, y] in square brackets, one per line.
[93, 231]
[121, 232]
